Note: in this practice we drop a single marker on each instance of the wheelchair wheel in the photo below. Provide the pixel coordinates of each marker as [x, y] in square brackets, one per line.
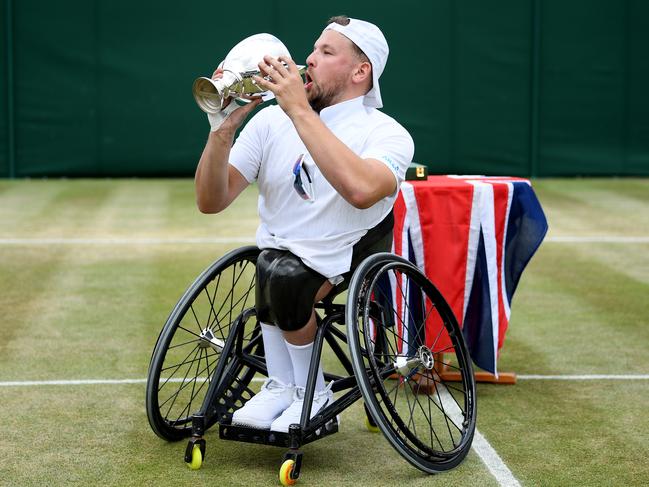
[398, 324]
[189, 346]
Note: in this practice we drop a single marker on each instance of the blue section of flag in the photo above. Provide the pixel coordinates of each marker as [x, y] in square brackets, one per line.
[478, 329]
[386, 325]
[415, 305]
[526, 229]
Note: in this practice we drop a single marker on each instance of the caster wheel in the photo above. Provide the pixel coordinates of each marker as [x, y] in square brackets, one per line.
[286, 473]
[372, 428]
[197, 458]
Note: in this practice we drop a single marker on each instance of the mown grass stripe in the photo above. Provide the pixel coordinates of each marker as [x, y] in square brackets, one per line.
[27, 383]
[493, 462]
[125, 241]
[597, 239]
[75, 382]
[251, 239]
[585, 377]
[84, 382]
[484, 450]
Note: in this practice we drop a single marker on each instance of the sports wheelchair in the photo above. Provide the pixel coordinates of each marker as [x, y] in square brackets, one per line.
[393, 336]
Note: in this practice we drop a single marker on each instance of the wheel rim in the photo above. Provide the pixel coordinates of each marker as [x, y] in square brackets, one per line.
[402, 324]
[189, 347]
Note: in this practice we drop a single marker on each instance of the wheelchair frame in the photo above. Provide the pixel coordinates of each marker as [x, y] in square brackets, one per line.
[240, 357]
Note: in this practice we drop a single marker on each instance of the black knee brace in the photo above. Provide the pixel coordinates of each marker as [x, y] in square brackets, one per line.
[285, 289]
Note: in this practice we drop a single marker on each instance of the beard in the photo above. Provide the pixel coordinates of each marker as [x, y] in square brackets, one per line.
[320, 98]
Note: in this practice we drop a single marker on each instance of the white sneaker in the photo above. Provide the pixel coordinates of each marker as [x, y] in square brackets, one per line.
[293, 413]
[265, 406]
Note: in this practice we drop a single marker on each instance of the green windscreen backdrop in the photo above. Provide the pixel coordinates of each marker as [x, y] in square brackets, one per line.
[5, 95]
[507, 87]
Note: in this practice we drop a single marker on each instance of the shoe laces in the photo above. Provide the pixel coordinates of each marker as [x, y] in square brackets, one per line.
[273, 386]
[300, 392]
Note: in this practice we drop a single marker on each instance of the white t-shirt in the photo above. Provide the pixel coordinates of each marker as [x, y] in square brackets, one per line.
[322, 232]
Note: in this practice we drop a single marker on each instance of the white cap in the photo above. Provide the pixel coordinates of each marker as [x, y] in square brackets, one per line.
[369, 38]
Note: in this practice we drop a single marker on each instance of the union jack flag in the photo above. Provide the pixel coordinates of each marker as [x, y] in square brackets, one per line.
[473, 237]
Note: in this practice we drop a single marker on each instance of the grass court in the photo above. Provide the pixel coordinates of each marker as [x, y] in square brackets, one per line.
[90, 269]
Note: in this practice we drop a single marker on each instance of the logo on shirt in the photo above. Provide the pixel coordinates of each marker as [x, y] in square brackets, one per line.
[391, 163]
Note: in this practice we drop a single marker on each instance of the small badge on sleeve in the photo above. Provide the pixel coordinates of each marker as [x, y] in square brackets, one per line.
[393, 165]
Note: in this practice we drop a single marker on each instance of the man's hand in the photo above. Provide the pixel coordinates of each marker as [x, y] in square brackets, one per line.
[286, 84]
[232, 116]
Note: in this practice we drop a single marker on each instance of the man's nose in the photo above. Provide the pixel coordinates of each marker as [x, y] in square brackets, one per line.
[310, 60]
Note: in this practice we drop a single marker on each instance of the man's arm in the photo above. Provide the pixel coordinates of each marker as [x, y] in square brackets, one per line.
[217, 182]
[362, 182]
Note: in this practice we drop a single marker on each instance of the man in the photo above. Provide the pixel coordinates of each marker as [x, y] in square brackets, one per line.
[328, 167]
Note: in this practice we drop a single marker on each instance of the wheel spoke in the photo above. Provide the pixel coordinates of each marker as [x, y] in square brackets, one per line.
[198, 323]
[185, 362]
[175, 396]
[244, 298]
[230, 297]
[197, 335]
[177, 367]
[181, 344]
[212, 299]
[185, 383]
[219, 319]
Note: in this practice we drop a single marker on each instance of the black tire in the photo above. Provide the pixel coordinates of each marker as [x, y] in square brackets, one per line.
[184, 361]
[429, 421]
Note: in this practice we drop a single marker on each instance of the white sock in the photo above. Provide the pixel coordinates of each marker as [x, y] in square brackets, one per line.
[278, 360]
[301, 358]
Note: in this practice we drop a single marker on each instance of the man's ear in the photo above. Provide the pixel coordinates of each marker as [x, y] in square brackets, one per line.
[363, 72]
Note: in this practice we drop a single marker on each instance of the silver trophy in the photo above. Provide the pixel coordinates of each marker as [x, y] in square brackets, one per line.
[239, 66]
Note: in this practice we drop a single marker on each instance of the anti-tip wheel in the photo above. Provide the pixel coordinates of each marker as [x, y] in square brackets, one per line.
[286, 471]
[197, 458]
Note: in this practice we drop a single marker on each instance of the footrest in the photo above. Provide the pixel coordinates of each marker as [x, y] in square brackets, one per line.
[252, 435]
[266, 437]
